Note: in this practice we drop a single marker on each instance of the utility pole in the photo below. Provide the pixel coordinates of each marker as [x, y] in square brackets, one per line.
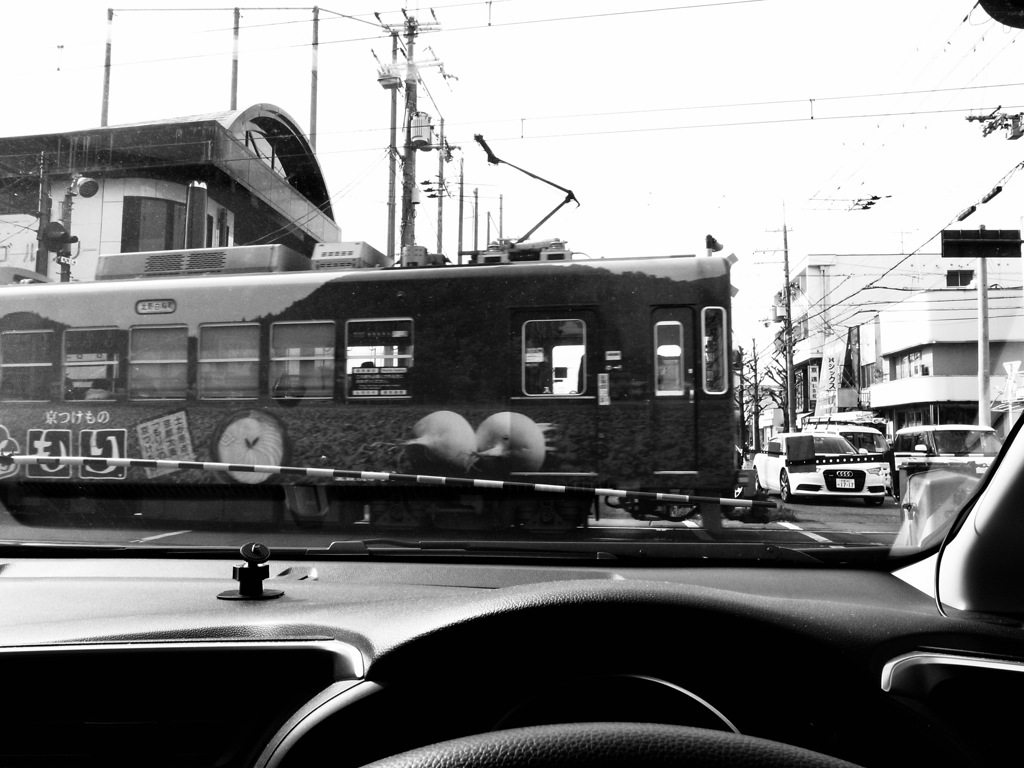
[234, 60]
[440, 185]
[476, 220]
[742, 387]
[409, 157]
[462, 197]
[64, 254]
[105, 107]
[984, 380]
[393, 150]
[756, 405]
[314, 77]
[42, 254]
[788, 330]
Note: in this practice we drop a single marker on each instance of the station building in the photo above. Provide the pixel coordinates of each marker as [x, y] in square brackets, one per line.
[250, 176]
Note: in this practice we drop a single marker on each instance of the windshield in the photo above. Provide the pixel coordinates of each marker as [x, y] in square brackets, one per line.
[961, 442]
[829, 444]
[869, 442]
[512, 272]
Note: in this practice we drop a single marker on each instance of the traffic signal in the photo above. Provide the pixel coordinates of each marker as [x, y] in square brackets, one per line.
[56, 238]
[711, 244]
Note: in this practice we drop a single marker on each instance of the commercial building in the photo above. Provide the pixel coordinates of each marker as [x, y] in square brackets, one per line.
[898, 335]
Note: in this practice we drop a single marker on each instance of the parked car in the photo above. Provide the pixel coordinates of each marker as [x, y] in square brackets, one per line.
[797, 464]
[959, 447]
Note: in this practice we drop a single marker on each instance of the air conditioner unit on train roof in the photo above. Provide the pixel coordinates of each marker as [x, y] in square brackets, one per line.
[349, 255]
[237, 259]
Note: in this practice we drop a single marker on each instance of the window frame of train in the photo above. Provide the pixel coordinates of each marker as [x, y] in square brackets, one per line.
[288, 383]
[379, 381]
[715, 354]
[90, 349]
[669, 356]
[30, 389]
[178, 365]
[247, 384]
[535, 360]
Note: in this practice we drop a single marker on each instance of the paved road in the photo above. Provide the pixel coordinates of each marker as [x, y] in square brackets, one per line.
[843, 523]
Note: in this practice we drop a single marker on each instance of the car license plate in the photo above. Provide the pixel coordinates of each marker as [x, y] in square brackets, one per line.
[844, 482]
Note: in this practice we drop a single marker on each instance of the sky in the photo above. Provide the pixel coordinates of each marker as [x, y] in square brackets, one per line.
[669, 120]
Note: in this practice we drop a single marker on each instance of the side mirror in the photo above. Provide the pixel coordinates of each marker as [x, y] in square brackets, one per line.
[921, 448]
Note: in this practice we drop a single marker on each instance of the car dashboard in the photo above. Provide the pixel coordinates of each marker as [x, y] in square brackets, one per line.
[124, 661]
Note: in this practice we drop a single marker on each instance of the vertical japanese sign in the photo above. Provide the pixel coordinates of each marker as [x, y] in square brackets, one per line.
[833, 357]
[167, 437]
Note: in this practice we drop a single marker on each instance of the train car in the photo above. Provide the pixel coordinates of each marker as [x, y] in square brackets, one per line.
[610, 373]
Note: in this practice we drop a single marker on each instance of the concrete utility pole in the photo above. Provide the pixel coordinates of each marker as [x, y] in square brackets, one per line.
[234, 60]
[790, 388]
[314, 78]
[45, 204]
[393, 151]
[756, 397]
[440, 185]
[105, 108]
[462, 206]
[984, 375]
[408, 236]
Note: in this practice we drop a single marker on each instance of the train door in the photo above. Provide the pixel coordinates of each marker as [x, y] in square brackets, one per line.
[673, 412]
[553, 394]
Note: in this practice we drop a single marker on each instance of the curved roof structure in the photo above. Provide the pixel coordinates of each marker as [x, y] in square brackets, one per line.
[256, 160]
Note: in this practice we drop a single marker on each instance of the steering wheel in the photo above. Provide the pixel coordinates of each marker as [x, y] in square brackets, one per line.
[609, 745]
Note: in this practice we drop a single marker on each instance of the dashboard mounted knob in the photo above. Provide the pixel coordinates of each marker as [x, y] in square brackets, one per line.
[251, 574]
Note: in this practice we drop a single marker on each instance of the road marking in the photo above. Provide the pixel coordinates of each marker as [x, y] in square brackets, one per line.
[158, 536]
[808, 534]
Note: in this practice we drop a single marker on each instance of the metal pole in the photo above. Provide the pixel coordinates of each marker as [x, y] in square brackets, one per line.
[106, 70]
[314, 77]
[234, 62]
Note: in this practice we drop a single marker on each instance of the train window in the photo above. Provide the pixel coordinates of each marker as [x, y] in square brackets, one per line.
[378, 357]
[302, 360]
[554, 357]
[94, 363]
[26, 365]
[716, 353]
[159, 363]
[668, 358]
[229, 361]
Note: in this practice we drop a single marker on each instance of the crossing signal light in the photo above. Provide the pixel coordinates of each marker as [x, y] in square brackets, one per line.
[56, 238]
[711, 244]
